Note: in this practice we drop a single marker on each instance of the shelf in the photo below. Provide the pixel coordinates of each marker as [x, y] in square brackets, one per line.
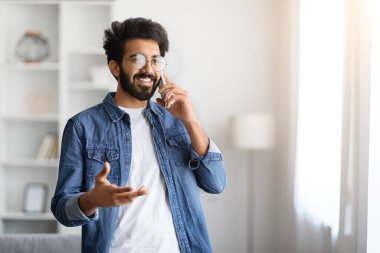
[15, 216]
[48, 117]
[30, 163]
[38, 66]
[29, 2]
[106, 3]
[35, 98]
[87, 51]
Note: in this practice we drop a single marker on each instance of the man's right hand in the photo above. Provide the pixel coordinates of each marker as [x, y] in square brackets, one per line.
[105, 194]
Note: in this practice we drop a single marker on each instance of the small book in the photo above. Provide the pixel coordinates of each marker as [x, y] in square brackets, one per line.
[48, 149]
[54, 148]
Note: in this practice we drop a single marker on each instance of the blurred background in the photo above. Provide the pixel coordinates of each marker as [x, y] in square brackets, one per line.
[288, 89]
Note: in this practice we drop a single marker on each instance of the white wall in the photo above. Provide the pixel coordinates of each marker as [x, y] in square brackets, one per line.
[225, 54]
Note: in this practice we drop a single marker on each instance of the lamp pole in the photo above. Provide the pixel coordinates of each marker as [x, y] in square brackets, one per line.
[252, 132]
[251, 201]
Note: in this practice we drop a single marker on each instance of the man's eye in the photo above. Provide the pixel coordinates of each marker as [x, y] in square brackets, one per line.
[139, 60]
[157, 60]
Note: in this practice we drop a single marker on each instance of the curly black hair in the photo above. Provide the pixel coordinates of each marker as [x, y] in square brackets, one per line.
[133, 28]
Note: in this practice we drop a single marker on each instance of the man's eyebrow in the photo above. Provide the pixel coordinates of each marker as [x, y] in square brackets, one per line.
[133, 55]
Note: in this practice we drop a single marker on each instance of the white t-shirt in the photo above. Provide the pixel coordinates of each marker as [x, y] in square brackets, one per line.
[146, 224]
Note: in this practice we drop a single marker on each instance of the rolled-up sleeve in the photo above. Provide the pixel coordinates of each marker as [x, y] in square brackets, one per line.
[74, 212]
[209, 169]
[70, 186]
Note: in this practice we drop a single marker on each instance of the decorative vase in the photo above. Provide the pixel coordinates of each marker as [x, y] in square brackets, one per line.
[32, 47]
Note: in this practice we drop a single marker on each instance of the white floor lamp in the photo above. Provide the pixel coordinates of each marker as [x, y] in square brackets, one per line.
[252, 132]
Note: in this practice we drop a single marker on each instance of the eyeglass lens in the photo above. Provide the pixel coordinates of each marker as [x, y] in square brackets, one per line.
[158, 62]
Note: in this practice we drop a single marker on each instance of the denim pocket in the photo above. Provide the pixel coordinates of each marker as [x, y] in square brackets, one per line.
[178, 140]
[179, 150]
[103, 154]
[97, 156]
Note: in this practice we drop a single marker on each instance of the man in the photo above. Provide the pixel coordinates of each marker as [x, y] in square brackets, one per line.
[130, 168]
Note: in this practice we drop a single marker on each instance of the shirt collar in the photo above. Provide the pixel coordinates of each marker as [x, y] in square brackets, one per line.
[116, 113]
[154, 107]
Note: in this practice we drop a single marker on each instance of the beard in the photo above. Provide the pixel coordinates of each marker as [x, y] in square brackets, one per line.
[141, 93]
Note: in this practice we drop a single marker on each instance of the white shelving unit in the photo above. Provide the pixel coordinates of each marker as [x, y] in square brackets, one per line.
[36, 99]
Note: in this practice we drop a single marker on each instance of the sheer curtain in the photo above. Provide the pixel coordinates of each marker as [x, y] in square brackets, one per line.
[374, 158]
[331, 147]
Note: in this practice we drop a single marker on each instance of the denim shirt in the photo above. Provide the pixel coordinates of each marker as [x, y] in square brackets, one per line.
[103, 133]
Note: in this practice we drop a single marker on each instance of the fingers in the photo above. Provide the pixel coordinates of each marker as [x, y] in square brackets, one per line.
[169, 99]
[173, 90]
[142, 191]
[167, 105]
[166, 88]
[172, 94]
[127, 197]
[132, 194]
[102, 176]
[174, 98]
[118, 189]
[170, 89]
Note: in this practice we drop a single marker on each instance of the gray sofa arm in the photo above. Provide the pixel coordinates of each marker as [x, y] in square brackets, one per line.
[40, 243]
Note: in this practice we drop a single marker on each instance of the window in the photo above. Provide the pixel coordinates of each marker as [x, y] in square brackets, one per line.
[373, 224]
[319, 126]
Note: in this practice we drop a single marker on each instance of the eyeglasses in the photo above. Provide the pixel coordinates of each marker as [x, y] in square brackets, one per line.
[139, 61]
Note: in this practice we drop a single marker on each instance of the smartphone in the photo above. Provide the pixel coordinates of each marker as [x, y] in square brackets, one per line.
[161, 83]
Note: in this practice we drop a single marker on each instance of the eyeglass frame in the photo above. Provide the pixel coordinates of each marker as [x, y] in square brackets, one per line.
[146, 61]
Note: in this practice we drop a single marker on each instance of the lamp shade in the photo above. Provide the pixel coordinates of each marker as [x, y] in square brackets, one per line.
[254, 131]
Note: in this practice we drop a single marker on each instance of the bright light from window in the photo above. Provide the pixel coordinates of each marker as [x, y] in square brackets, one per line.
[318, 156]
[373, 234]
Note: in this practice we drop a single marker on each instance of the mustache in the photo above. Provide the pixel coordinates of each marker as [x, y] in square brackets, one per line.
[144, 75]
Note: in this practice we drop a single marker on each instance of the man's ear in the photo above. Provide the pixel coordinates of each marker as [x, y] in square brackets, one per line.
[114, 68]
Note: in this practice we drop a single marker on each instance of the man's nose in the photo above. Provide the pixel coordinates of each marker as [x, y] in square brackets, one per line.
[148, 68]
